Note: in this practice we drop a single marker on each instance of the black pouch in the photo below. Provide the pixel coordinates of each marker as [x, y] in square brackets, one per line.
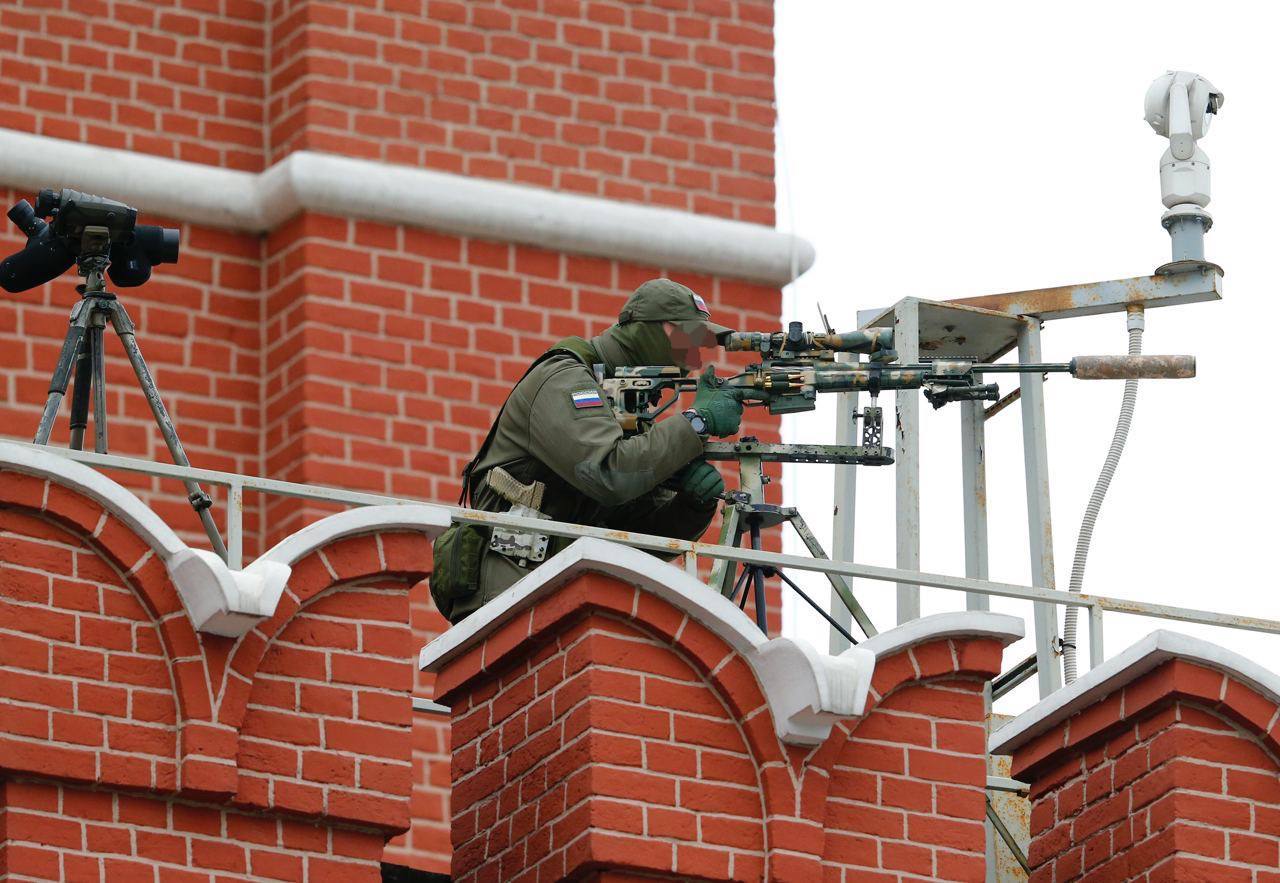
[456, 565]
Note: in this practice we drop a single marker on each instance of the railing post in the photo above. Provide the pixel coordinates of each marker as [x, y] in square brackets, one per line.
[1096, 654]
[1039, 523]
[973, 481]
[906, 470]
[846, 498]
[235, 525]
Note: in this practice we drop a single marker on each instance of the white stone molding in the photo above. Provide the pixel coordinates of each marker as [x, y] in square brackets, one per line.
[398, 194]
[426, 519]
[1147, 654]
[960, 624]
[807, 691]
[218, 600]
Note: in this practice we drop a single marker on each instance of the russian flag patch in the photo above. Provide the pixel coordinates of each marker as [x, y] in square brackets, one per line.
[586, 398]
[700, 304]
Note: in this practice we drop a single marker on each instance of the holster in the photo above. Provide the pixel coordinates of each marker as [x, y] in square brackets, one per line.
[521, 546]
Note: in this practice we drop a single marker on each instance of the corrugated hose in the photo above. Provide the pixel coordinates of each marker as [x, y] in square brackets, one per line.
[1136, 324]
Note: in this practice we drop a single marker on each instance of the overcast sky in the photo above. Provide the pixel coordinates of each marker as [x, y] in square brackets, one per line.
[945, 150]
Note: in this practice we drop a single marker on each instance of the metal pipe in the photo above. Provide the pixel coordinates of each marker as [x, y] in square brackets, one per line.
[1186, 235]
[1136, 323]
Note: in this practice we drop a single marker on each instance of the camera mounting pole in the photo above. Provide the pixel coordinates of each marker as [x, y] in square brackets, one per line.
[83, 349]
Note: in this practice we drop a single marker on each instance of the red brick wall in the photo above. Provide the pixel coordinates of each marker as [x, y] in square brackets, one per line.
[63, 832]
[908, 790]
[358, 354]
[606, 729]
[426, 844]
[294, 738]
[668, 104]
[176, 80]
[1183, 785]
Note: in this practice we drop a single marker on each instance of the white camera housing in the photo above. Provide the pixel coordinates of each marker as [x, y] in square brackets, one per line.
[1184, 182]
[1180, 105]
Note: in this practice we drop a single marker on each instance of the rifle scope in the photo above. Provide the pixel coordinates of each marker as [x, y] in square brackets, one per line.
[795, 341]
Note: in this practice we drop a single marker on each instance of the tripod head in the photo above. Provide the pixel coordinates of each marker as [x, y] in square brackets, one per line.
[99, 234]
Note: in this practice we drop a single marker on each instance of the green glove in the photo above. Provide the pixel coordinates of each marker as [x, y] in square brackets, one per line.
[719, 405]
[700, 481]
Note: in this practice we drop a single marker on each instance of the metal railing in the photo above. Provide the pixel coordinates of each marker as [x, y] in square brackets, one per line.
[1094, 604]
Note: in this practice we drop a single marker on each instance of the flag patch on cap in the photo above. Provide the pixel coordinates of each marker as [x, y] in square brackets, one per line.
[700, 303]
[586, 398]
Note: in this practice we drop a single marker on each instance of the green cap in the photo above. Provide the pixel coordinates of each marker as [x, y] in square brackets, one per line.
[662, 300]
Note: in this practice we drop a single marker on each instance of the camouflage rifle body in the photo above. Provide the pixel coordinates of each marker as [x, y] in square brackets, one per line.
[788, 385]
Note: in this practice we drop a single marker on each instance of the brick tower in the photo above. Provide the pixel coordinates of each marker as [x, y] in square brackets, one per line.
[388, 208]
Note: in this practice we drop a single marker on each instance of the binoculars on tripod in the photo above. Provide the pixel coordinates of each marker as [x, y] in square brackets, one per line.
[54, 245]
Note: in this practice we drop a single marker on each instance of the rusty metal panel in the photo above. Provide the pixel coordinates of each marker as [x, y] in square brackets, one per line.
[1014, 810]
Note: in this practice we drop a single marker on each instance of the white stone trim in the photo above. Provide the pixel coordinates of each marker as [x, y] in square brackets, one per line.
[217, 600]
[807, 691]
[397, 194]
[1147, 654]
[430, 520]
[961, 624]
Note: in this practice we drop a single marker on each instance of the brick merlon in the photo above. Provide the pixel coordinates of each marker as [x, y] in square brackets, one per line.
[1115, 674]
[807, 691]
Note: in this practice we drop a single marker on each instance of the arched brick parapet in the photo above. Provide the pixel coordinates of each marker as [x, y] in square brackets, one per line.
[320, 692]
[391, 541]
[902, 789]
[174, 576]
[123, 717]
[570, 679]
[1161, 763]
[96, 651]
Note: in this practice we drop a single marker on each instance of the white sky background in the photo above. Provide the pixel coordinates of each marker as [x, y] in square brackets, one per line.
[945, 150]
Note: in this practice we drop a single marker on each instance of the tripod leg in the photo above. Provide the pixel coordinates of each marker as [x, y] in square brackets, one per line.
[738, 584]
[723, 570]
[838, 582]
[814, 604]
[80, 395]
[757, 576]
[199, 499]
[62, 373]
[99, 389]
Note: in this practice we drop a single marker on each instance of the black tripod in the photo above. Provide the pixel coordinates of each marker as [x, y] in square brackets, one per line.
[754, 517]
[83, 348]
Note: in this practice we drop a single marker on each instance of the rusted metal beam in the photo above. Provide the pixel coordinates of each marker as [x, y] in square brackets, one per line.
[1114, 296]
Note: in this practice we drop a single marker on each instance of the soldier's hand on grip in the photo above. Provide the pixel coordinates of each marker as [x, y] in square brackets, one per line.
[719, 405]
[701, 481]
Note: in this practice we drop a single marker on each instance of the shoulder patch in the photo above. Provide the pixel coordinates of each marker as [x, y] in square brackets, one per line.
[586, 398]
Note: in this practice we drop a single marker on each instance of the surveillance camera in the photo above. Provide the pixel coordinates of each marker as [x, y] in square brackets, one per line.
[1179, 106]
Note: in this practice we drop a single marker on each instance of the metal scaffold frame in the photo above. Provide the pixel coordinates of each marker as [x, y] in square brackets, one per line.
[985, 328]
